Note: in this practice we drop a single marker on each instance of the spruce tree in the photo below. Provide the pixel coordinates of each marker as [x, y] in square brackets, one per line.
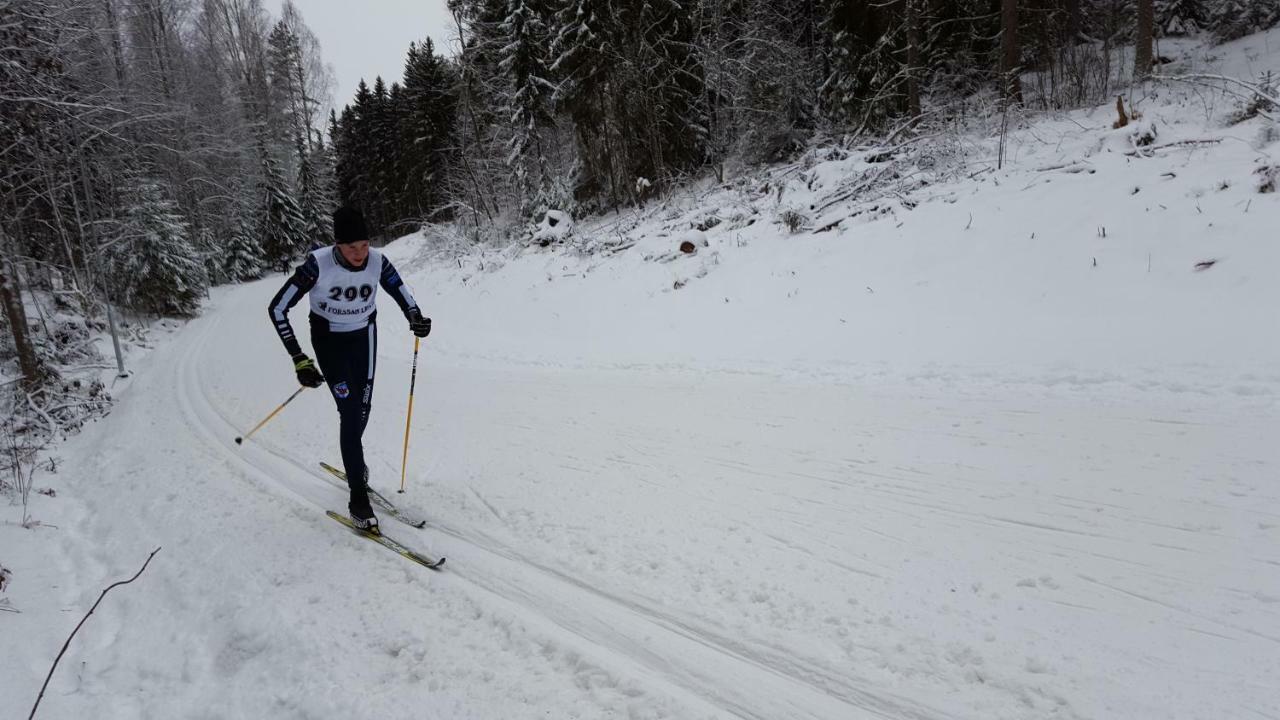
[529, 104]
[480, 75]
[242, 259]
[585, 64]
[281, 225]
[153, 265]
[342, 139]
[666, 80]
[284, 56]
[1231, 19]
[324, 164]
[427, 121]
[314, 203]
[358, 167]
[1180, 17]
[863, 85]
[380, 194]
[401, 203]
[210, 252]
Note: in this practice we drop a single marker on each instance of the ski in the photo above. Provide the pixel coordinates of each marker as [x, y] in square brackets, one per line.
[383, 540]
[378, 500]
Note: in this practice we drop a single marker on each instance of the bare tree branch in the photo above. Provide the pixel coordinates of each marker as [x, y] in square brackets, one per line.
[66, 644]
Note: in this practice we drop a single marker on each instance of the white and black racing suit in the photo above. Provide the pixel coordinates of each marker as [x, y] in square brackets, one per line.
[344, 334]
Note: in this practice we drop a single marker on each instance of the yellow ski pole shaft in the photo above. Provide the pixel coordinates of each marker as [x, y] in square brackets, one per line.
[267, 419]
[413, 380]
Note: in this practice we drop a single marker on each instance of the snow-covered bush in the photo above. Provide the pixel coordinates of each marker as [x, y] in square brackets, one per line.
[1143, 133]
[1268, 134]
[556, 227]
[66, 338]
[707, 221]
[1262, 102]
[1267, 177]
[740, 217]
[793, 219]
[763, 146]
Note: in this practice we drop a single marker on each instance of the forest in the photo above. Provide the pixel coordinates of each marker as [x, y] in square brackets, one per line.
[152, 149]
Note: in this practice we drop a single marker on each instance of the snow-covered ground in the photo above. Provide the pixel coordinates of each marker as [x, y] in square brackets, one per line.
[1005, 453]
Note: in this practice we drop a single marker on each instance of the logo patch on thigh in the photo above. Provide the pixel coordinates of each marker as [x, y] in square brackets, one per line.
[341, 390]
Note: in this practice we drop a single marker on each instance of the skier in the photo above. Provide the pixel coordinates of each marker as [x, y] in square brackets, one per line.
[343, 281]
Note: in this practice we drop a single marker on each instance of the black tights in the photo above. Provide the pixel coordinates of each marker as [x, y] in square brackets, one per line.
[348, 360]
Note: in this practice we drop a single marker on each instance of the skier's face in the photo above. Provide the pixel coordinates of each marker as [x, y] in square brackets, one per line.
[355, 253]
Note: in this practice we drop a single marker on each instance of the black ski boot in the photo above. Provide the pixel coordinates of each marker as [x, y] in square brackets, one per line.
[361, 513]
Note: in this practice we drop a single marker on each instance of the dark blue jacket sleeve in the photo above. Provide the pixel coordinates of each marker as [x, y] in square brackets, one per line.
[396, 288]
[299, 284]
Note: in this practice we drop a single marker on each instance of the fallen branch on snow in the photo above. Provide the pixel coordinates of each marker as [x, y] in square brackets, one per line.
[1220, 82]
[1148, 150]
[66, 644]
[1070, 167]
[53, 426]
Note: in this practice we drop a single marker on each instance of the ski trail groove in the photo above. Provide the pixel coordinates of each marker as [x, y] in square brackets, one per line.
[683, 658]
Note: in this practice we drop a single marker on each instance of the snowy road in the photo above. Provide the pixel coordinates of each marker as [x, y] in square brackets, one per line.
[669, 544]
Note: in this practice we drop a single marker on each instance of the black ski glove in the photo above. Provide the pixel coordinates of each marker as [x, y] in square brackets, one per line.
[307, 373]
[420, 326]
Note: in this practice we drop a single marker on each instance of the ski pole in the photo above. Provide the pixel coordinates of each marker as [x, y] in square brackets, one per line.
[241, 439]
[413, 379]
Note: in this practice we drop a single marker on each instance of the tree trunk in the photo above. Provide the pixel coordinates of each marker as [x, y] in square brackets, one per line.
[11, 298]
[1142, 52]
[117, 51]
[913, 58]
[1073, 22]
[1010, 51]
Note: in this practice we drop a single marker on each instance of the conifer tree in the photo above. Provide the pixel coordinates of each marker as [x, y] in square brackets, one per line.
[243, 257]
[586, 68]
[381, 139]
[281, 226]
[865, 82]
[1233, 19]
[317, 220]
[1180, 17]
[285, 57]
[1230, 20]
[153, 264]
[529, 105]
[357, 172]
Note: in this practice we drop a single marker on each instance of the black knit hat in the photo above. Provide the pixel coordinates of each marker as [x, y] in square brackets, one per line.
[348, 226]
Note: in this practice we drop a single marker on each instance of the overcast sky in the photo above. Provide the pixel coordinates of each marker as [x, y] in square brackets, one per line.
[370, 38]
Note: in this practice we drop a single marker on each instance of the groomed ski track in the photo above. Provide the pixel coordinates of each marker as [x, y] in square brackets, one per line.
[806, 551]
[612, 640]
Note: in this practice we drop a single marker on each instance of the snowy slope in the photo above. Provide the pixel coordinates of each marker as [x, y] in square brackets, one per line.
[934, 462]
